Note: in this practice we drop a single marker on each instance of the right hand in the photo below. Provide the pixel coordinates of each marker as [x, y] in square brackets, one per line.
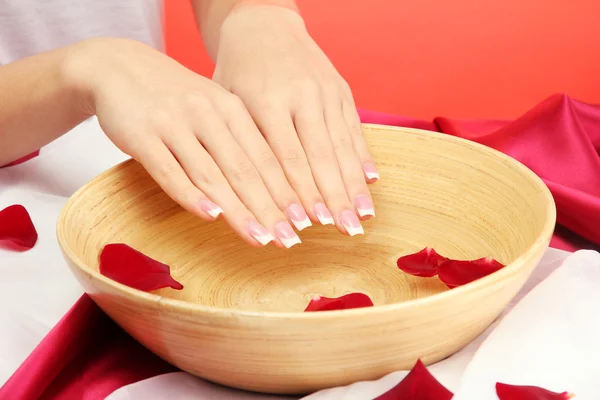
[194, 138]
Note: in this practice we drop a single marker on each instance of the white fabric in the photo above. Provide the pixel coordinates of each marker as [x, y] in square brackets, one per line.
[549, 338]
[36, 287]
[28, 27]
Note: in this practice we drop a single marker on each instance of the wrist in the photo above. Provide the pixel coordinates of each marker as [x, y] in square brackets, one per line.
[76, 71]
[211, 16]
[255, 17]
[287, 4]
[91, 64]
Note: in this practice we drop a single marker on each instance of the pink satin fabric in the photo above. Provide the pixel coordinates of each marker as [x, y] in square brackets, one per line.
[86, 356]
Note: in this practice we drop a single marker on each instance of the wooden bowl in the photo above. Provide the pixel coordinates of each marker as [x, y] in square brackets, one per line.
[239, 321]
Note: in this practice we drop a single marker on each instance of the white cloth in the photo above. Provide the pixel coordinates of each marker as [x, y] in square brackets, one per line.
[549, 338]
[28, 27]
[36, 287]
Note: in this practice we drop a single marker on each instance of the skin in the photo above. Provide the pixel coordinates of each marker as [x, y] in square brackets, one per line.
[276, 127]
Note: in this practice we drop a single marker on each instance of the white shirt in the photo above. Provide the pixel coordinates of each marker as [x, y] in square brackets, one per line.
[28, 27]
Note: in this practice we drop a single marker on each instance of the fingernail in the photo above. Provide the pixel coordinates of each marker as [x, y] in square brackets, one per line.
[286, 234]
[210, 208]
[370, 170]
[259, 233]
[364, 205]
[351, 223]
[323, 214]
[298, 216]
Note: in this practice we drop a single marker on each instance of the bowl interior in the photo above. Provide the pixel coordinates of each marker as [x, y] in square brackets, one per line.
[465, 200]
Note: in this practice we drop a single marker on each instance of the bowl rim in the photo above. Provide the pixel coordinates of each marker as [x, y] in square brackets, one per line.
[170, 304]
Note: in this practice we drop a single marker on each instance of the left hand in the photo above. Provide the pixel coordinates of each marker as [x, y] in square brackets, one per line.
[303, 108]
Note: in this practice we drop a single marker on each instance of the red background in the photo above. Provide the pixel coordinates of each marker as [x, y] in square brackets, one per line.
[459, 58]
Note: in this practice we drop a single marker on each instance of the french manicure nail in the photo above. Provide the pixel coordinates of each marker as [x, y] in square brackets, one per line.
[259, 233]
[323, 214]
[364, 205]
[370, 170]
[210, 208]
[286, 234]
[351, 223]
[298, 216]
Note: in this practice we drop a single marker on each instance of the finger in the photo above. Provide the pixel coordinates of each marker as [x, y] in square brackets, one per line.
[162, 166]
[243, 178]
[250, 140]
[350, 165]
[278, 128]
[202, 171]
[310, 123]
[360, 143]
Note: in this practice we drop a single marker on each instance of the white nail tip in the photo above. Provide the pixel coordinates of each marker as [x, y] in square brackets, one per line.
[302, 224]
[352, 231]
[289, 242]
[325, 221]
[372, 175]
[264, 239]
[366, 211]
[215, 212]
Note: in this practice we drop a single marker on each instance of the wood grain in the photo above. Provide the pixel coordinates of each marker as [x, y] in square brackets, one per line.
[239, 319]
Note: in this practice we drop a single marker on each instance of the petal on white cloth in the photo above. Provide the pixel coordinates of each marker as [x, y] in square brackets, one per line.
[550, 339]
[36, 286]
[449, 371]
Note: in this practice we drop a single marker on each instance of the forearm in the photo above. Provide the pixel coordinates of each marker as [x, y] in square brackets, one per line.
[210, 15]
[38, 103]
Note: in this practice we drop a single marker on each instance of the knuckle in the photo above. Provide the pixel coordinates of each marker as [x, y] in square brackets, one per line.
[267, 160]
[239, 211]
[355, 183]
[331, 90]
[206, 176]
[321, 153]
[244, 170]
[233, 104]
[345, 89]
[308, 87]
[275, 110]
[185, 195]
[167, 169]
[356, 130]
[294, 157]
[338, 200]
[343, 143]
[267, 212]
[195, 102]
[160, 120]
[269, 105]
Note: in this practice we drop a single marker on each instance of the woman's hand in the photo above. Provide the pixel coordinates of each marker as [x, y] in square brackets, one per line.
[303, 108]
[193, 137]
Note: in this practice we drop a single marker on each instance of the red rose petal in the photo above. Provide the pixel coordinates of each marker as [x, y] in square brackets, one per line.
[419, 384]
[514, 392]
[351, 300]
[16, 227]
[425, 263]
[130, 267]
[456, 273]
